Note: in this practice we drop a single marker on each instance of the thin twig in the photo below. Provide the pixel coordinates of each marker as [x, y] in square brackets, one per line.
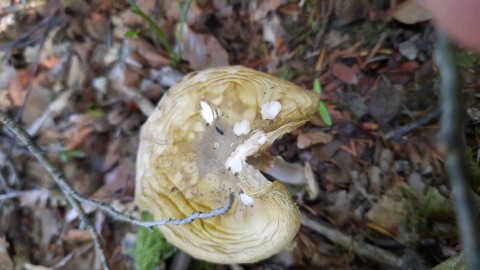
[404, 130]
[58, 178]
[49, 24]
[360, 248]
[68, 189]
[74, 197]
[453, 143]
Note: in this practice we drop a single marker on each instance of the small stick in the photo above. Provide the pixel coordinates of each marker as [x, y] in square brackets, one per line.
[61, 181]
[452, 142]
[404, 130]
[361, 249]
[74, 197]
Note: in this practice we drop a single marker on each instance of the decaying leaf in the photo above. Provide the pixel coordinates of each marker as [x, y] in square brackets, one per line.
[17, 88]
[311, 137]
[385, 102]
[390, 210]
[339, 211]
[5, 260]
[345, 73]
[77, 235]
[311, 184]
[34, 198]
[411, 11]
[203, 50]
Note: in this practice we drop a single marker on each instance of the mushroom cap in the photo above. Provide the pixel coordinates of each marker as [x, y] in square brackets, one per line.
[190, 159]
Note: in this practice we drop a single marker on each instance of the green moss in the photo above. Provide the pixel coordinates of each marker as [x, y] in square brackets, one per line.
[286, 72]
[380, 4]
[466, 60]
[424, 207]
[367, 32]
[151, 248]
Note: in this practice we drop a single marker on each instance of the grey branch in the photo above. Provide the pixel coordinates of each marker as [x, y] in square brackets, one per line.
[68, 189]
[360, 248]
[453, 143]
[404, 130]
[74, 197]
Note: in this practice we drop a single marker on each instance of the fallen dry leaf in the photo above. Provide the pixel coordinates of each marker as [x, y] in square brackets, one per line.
[339, 211]
[202, 50]
[311, 185]
[77, 235]
[77, 136]
[390, 210]
[6, 73]
[264, 7]
[36, 104]
[18, 86]
[36, 198]
[411, 11]
[385, 102]
[348, 11]
[345, 73]
[76, 74]
[5, 260]
[97, 26]
[305, 139]
[148, 52]
[272, 30]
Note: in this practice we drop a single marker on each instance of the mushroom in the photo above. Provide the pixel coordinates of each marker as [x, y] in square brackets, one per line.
[192, 156]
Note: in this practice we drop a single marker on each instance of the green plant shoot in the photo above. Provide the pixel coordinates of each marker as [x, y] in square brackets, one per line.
[322, 109]
[176, 57]
[151, 248]
[71, 153]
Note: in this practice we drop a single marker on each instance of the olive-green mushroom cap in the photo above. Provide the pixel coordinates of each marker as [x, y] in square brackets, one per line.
[192, 157]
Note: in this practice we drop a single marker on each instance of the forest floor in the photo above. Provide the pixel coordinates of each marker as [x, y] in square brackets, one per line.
[67, 73]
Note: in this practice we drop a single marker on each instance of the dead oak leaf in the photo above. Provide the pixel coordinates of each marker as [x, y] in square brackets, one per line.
[17, 89]
[5, 260]
[305, 139]
[203, 50]
[411, 11]
[345, 73]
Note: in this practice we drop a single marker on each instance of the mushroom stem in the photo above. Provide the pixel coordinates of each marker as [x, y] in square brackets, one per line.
[278, 168]
[294, 175]
[289, 173]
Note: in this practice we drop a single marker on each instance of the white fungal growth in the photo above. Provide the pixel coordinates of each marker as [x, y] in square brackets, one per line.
[250, 146]
[207, 113]
[241, 128]
[269, 110]
[247, 200]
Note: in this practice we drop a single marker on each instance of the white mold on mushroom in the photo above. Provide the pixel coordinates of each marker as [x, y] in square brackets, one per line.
[270, 110]
[247, 200]
[207, 113]
[236, 160]
[241, 127]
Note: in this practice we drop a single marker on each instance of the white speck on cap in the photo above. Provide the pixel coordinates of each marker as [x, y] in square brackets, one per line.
[247, 200]
[251, 145]
[241, 128]
[206, 112]
[269, 110]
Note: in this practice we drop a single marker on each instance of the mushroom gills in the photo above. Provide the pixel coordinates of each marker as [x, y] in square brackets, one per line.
[207, 159]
